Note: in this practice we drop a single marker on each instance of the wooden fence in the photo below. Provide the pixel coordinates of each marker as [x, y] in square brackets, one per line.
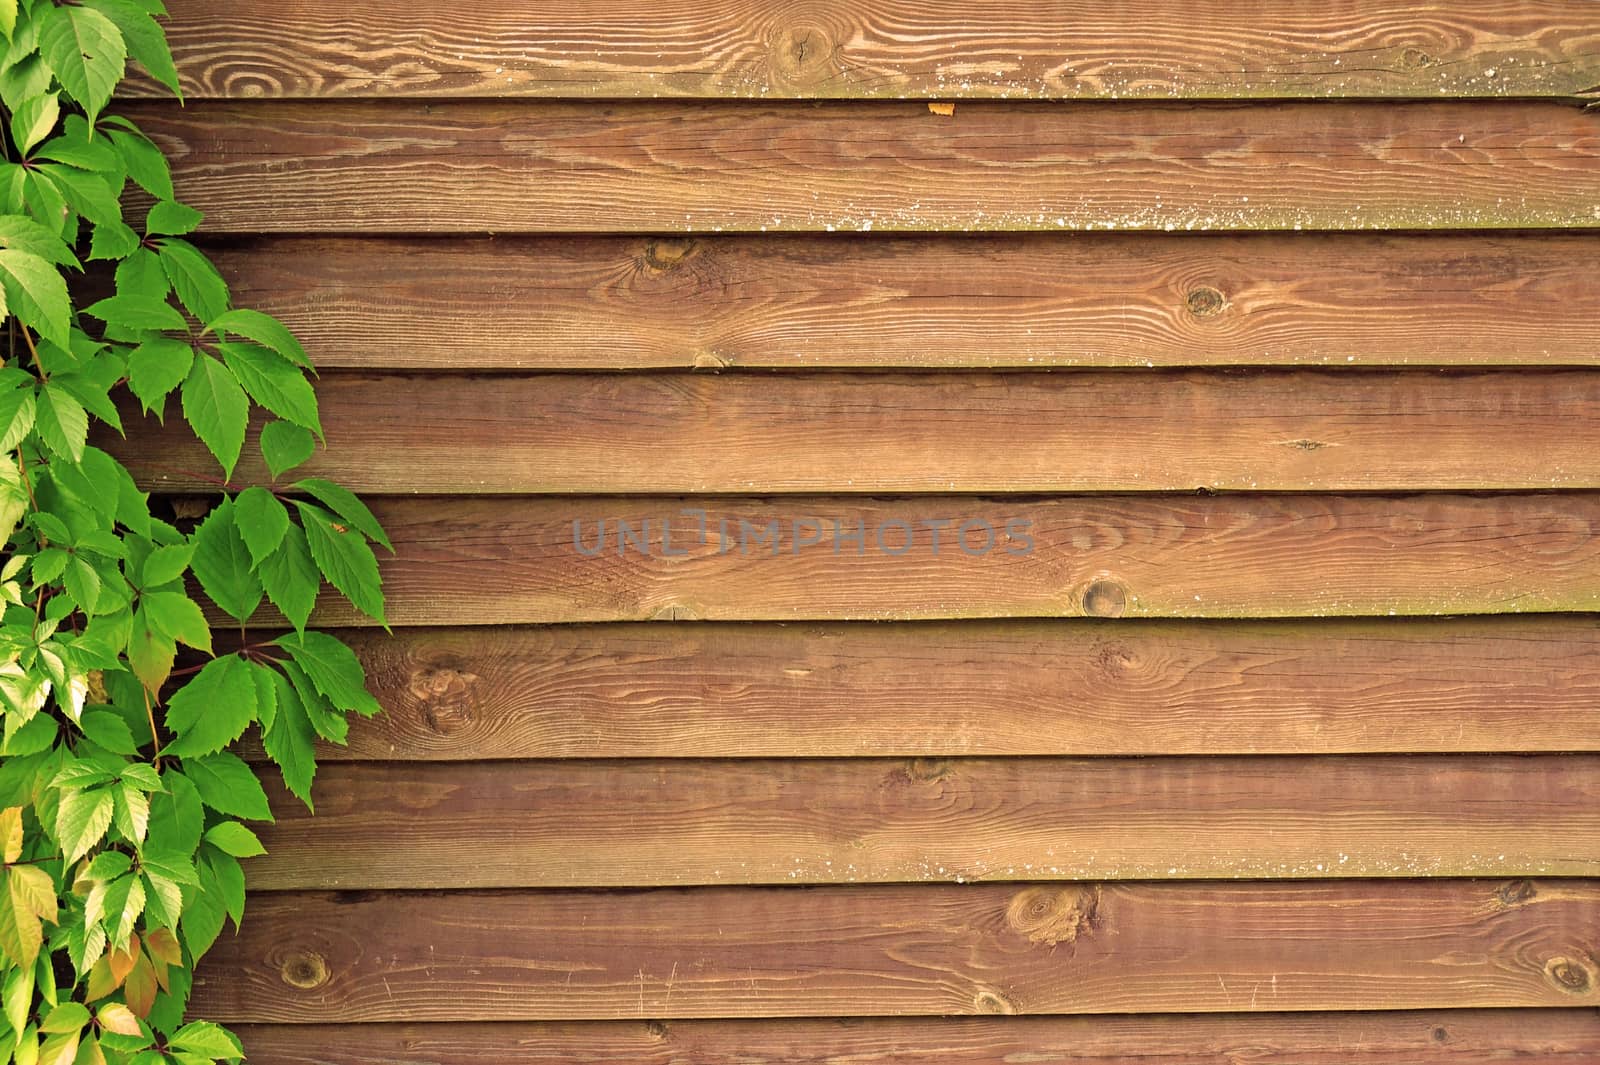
[1259, 337]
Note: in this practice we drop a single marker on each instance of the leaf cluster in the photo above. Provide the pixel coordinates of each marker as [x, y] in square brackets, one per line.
[123, 813]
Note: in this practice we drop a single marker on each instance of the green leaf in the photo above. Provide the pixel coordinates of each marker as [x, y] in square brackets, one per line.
[203, 918]
[61, 422]
[110, 731]
[16, 417]
[44, 200]
[90, 194]
[156, 367]
[8, 26]
[140, 274]
[136, 312]
[177, 818]
[291, 740]
[170, 218]
[146, 41]
[227, 785]
[285, 445]
[33, 120]
[165, 564]
[27, 235]
[222, 564]
[344, 558]
[207, 1040]
[86, 51]
[275, 384]
[262, 520]
[132, 812]
[291, 577]
[67, 1017]
[177, 617]
[264, 330]
[231, 837]
[216, 408]
[198, 285]
[82, 818]
[112, 240]
[94, 395]
[146, 163]
[83, 584]
[344, 503]
[150, 654]
[212, 710]
[36, 294]
[124, 904]
[227, 880]
[333, 668]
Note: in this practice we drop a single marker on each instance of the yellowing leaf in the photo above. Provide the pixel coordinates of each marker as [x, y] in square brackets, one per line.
[140, 987]
[115, 1017]
[11, 834]
[33, 888]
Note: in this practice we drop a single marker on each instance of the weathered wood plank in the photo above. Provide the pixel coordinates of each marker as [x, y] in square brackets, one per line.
[549, 166]
[1449, 1037]
[885, 48]
[807, 821]
[681, 432]
[922, 949]
[716, 690]
[600, 303]
[480, 561]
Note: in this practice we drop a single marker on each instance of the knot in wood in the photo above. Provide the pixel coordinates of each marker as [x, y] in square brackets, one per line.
[1515, 892]
[1105, 599]
[1415, 59]
[1052, 915]
[304, 969]
[447, 697]
[927, 770]
[1204, 301]
[665, 253]
[802, 53]
[992, 1002]
[1569, 974]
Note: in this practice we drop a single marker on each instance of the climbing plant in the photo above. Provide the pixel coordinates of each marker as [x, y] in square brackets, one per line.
[123, 815]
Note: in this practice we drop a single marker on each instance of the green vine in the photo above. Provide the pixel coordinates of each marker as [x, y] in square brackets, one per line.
[122, 814]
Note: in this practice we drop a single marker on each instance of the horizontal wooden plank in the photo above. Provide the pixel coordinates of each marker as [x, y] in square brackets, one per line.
[506, 560]
[1448, 1037]
[715, 690]
[603, 303]
[921, 949]
[757, 821]
[551, 166]
[851, 48]
[681, 432]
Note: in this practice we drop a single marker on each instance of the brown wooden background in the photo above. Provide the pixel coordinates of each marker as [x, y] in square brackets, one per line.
[1279, 322]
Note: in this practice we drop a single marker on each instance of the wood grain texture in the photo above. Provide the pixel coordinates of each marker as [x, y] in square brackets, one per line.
[1447, 1037]
[607, 303]
[551, 166]
[1074, 687]
[645, 823]
[853, 433]
[920, 949]
[480, 561]
[852, 48]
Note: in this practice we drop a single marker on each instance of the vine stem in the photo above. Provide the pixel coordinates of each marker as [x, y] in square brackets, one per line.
[28, 339]
[150, 716]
